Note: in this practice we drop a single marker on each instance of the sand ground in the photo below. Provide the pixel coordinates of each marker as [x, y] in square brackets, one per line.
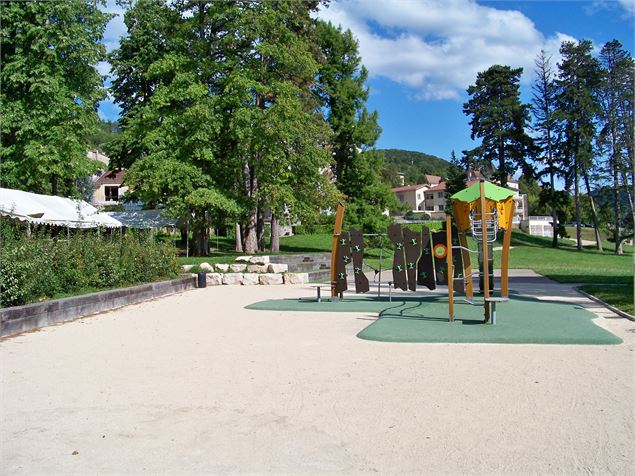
[194, 383]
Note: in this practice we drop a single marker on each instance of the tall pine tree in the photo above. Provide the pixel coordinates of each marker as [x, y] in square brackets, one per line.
[499, 119]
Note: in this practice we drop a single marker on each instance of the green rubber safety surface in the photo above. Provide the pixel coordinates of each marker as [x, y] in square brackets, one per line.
[522, 320]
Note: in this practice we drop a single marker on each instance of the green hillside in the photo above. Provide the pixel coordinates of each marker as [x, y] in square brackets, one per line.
[415, 165]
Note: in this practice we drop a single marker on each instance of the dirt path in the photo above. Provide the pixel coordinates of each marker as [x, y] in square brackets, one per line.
[194, 383]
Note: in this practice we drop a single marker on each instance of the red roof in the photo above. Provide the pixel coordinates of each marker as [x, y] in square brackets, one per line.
[437, 188]
[112, 177]
[408, 188]
[433, 179]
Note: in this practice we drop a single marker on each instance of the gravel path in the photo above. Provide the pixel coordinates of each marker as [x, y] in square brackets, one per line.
[194, 383]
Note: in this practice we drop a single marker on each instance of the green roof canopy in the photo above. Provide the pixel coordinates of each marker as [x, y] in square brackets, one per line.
[492, 192]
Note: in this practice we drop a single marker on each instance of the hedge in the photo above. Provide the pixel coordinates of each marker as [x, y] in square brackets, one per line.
[40, 267]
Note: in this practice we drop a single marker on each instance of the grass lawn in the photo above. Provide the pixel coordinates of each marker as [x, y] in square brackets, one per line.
[619, 296]
[567, 265]
[564, 264]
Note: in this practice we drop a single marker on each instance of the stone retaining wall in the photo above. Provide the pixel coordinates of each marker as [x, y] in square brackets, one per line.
[14, 320]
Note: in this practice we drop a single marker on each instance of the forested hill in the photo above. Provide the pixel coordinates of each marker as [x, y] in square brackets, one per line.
[413, 164]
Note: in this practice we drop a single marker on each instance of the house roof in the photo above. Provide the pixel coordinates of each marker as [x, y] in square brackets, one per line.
[433, 179]
[112, 177]
[409, 188]
[437, 188]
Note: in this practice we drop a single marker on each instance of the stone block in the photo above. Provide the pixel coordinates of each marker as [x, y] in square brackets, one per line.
[186, 267]
[257, 268]
[214, 279]
[243, 259]
[208, 268]
[221, 268]
[271, 278]
[296, 278]
[278, 268]
[263, 260]
[232, 278]
[250, 278]
[237, 268]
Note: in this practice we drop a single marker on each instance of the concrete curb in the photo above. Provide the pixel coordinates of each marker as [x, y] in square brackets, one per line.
[606, 305]
[14, 320]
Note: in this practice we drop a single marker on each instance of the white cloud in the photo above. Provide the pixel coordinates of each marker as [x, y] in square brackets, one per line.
[437, 47]
[628, 5]
[116, 27]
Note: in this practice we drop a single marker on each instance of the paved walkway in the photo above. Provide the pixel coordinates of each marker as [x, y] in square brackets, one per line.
[194, 383]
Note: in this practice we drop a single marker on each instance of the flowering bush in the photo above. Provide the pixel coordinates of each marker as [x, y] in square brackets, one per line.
[39, 267]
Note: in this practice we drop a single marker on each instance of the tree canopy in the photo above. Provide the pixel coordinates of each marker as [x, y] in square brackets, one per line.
[50, 92]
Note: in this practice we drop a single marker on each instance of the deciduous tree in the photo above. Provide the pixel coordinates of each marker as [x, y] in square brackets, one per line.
[50, 91]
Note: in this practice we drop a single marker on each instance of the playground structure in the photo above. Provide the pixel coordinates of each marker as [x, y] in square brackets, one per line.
[429, 258]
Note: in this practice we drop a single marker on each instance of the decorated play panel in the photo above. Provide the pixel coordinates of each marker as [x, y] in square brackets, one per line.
[424, 319]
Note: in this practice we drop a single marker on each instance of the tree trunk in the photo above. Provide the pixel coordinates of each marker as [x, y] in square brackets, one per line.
[576, 193]
[554, 212]
[251, 184]
[200, 242]
[251, 241]
[594, 215]
[238, 239]
[617, 212]
[275, 234]
[260, 228]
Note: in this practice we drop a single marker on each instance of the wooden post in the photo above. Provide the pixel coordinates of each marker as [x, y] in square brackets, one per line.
[507, 239]
[485, 252]
[450, 271]
[337, 229]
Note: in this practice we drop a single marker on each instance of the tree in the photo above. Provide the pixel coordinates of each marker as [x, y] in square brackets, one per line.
[499, 120]
[457, 176]
[224, 91]
[50, 92]
[545, 126]
[342, 90]
[616, 118]
[578, 80]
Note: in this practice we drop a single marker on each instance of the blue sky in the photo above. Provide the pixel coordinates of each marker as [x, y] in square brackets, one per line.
[422, 55]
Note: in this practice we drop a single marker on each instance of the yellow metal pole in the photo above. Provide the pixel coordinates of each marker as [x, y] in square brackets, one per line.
[507, 239]
[448, 238]
[337, 229]
[485, 251]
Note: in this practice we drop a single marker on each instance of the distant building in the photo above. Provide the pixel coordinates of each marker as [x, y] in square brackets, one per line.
[431, 197]
[109, 188]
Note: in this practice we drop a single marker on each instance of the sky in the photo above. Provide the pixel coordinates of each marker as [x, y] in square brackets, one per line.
[422, 55]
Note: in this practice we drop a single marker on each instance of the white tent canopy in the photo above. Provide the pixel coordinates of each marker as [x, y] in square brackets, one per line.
[49, 210]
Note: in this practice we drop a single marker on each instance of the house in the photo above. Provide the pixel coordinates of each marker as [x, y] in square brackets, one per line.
[109, 188]
[413, 195]
[431, 197]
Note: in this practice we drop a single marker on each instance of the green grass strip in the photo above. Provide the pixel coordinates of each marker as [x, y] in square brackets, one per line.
[619, 295]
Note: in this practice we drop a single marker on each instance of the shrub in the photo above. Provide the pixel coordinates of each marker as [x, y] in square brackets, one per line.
[39, 267]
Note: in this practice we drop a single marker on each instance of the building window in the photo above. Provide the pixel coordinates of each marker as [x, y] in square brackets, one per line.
[440, 195]
[439, 208]
[429, 196]
[112, 193]
[429, 208]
